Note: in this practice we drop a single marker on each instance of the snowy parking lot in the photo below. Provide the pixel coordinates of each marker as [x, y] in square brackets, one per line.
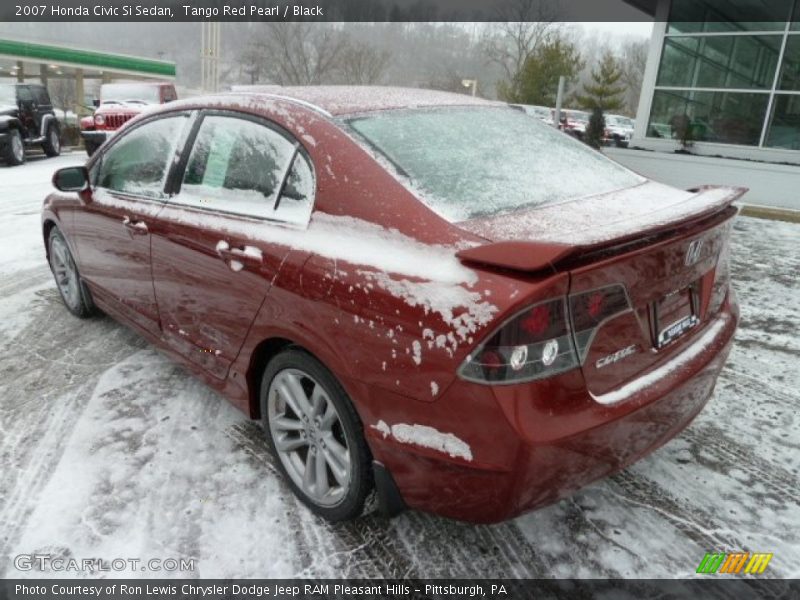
[110, 450]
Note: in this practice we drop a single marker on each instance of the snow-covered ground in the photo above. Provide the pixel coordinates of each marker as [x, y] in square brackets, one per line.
[109, 450]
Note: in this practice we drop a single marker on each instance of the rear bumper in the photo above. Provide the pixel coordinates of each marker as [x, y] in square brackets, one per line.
[548, 441]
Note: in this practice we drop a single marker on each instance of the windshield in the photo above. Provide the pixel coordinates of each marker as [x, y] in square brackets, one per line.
[130, 92]
[620, 121]
[8, 95]
[581, 117]
[474, 162]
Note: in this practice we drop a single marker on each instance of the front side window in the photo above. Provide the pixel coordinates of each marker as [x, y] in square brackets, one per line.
[138, 162]
[472, 162]
[243, 167]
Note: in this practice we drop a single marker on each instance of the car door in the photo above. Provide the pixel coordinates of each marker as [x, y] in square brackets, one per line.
[111, 228]
[42, 106]
[212, 258]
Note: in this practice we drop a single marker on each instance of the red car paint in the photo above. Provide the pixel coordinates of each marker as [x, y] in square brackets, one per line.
[531, 443]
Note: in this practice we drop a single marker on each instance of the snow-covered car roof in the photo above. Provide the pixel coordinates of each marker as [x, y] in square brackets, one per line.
[340, 100]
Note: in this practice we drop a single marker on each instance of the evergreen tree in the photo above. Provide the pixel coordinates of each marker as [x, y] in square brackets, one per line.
[606, 89]
[537, 82]
[596, 128]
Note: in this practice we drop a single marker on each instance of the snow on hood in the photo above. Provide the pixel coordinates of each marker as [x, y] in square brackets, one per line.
[603, 217]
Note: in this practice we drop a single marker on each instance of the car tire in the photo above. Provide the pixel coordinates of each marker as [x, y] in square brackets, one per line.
[315, 434]
[91, 147]
[15, 149]
[52, 143]
[74, 292]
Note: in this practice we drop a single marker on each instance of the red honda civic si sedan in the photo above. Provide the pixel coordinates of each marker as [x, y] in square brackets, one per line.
[429, 296]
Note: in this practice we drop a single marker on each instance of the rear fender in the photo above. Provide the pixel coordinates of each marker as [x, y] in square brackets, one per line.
[46, 121]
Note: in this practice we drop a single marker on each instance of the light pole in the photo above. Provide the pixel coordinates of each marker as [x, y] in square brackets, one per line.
[471, 83]
[209, 57]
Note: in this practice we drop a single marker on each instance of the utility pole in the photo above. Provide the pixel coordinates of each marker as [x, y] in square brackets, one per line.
[209, 56]
[559, 100]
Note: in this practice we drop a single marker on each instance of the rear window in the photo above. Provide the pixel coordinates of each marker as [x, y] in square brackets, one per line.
[475, 162]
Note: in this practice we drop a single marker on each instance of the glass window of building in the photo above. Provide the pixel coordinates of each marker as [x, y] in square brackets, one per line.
[784, 128]
[715, 16]
[702, 116]
[729, 74]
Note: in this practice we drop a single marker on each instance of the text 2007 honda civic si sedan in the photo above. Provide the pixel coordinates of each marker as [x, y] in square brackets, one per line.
[425, 295]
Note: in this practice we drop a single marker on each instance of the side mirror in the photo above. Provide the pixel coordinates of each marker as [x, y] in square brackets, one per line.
[71, 179]
[96, 102]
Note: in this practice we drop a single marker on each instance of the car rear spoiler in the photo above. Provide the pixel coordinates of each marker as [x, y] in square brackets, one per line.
[534, 257]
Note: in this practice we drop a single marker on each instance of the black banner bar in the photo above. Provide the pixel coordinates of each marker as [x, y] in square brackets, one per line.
[704, 587]
[379, 10]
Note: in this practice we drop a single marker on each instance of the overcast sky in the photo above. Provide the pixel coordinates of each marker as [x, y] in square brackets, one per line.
[639, 29]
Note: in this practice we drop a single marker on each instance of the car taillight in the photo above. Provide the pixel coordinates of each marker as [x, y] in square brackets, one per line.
[589, 310]
[99, 120]
[534, 344]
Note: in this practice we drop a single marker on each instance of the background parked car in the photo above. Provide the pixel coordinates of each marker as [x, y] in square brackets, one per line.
[619, 130]
[26, 120]
[574, 122]
[542, 113]
[118, 104]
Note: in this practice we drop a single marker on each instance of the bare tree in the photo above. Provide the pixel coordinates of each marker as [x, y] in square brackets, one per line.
[364, 64]
[62, 93]
[300, 53]
[524, 25]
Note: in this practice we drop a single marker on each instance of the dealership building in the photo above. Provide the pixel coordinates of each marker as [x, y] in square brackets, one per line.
[722, 83]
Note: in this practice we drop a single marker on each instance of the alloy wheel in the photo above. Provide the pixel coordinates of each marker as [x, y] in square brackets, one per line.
[309, 438]
[55, 142]
[65, 272]
[17, 148]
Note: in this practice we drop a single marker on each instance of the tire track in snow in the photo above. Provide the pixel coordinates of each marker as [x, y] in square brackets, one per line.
[695, 523]
[441, 547]
[361, 548]
[42, 398]
[710, 440]
[19, 281]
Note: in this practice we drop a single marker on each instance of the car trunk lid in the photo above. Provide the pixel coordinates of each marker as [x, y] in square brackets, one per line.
[648, 269]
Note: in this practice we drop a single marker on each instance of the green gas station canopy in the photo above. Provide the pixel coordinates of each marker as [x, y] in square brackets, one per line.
[88, 59]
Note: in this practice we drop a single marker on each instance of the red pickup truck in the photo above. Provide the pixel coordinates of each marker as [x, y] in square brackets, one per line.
[119, 103]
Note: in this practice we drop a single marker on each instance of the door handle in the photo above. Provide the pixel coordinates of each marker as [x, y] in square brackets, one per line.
[135, 227]
[238, 257]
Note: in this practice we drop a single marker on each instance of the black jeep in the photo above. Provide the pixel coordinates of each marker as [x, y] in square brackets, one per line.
[27, 119]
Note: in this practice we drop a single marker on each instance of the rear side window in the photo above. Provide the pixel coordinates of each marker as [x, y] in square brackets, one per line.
[138, 162]
[40, 95]
[243, 167]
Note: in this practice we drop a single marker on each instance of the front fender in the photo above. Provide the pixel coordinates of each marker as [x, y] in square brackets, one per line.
[9, 122]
